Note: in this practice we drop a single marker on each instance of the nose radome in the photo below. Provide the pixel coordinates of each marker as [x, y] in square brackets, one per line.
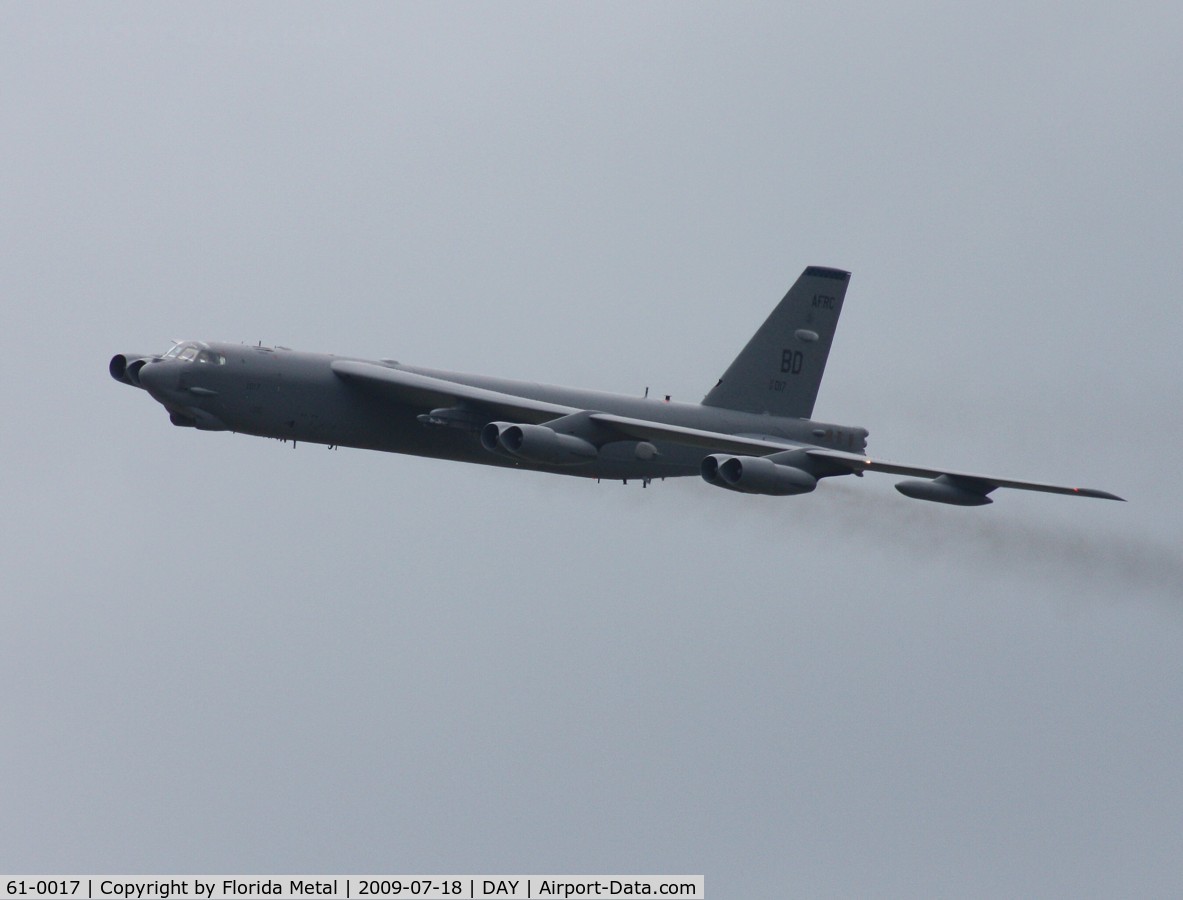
[157, 376]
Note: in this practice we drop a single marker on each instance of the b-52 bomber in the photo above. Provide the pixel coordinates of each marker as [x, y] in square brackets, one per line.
[753, 432]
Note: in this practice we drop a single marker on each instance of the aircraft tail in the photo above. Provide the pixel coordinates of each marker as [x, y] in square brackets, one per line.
[780, 370]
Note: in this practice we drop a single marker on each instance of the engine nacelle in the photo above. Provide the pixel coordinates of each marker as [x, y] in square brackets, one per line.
[125, 367]
[943, 489]
[710, 470]
[756, 475]
[537, 443]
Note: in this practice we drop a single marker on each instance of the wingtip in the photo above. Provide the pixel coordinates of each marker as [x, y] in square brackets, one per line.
[1100, 495]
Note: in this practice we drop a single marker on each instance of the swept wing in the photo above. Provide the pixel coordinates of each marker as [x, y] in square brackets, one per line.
[852, 462]
[859, 464]
[403, 386]
[427, 391]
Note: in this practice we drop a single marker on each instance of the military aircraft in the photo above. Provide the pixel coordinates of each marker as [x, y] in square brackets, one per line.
[752, 433]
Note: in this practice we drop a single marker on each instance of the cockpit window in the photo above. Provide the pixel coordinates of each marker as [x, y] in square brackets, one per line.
[194, 351]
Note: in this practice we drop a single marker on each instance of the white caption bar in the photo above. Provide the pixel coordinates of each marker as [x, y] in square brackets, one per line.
[349, 887]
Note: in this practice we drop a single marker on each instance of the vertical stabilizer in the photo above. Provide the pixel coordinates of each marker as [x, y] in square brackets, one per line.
[780, 370]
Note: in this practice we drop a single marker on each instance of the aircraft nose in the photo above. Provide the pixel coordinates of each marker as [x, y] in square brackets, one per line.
[157, 376]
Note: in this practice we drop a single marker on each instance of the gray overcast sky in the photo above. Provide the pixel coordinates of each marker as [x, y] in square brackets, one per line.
[222, 655]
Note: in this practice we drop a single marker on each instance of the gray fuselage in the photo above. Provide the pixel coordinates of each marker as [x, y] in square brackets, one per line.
[296, 396]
